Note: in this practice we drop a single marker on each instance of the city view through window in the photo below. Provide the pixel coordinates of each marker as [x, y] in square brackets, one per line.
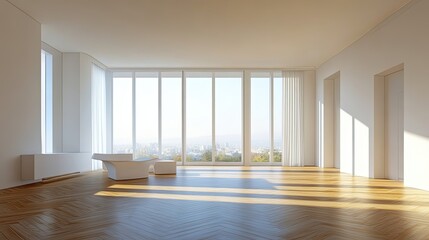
[266, 116]
[147, 115]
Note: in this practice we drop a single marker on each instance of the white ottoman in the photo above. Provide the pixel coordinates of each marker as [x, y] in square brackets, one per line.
[165, 167]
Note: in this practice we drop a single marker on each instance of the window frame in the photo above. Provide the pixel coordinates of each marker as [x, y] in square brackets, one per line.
[47, 101]
[245, 112]
[272, 74]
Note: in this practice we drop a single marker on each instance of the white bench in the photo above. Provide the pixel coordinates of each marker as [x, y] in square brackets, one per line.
[123, 167]
[40, 166]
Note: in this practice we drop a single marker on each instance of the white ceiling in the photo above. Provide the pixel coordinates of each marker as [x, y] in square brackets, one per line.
[207, 33]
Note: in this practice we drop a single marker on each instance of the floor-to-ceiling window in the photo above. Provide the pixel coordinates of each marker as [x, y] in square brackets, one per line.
[277, 117]
[199, 122]
[171, 117]
[197, 117]
[260, 117]
[47, 101]
[266, 97]
[122, 113]
[146, 112]
[228, 116]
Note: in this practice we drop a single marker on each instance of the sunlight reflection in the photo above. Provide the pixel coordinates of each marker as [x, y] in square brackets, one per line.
[361, 149]
[353, 182]
[416, 196]
[346, 136]
[285, 191]
[249, 175]
[416, 170]
[270, 201]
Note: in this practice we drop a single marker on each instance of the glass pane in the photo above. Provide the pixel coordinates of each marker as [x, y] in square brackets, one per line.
[260, 118]
[277, 111]
[228, 119]
[198, 119]
[47, 102]
[146, 118]
[122, 115]
[172, 116]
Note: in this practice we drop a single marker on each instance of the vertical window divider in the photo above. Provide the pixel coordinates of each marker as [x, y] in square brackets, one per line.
[247, 124]
[159, 116]
[134, 111]
[243, 122]
[183, 118]
[213, 119]
[271, 158]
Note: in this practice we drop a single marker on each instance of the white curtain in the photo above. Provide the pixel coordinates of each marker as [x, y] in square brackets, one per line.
[98, 109]
[293, 144]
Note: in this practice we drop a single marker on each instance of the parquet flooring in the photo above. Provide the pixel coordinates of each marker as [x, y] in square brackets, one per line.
[217, 203]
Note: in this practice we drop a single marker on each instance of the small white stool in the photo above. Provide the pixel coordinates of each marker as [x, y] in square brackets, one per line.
[165, 167]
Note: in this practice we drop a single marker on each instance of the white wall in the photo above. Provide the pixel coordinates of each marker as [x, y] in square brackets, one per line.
[403, 38]
[20, 98]
[86, 62]
[77, 71]
[71, 102]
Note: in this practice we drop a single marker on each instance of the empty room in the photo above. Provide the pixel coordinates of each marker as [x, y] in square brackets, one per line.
[214, 119]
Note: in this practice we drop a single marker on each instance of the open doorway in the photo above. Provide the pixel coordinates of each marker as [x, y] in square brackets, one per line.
[331, 121]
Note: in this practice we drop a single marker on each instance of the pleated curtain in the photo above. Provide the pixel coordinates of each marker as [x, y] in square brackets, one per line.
[293, 144]
[98, 113]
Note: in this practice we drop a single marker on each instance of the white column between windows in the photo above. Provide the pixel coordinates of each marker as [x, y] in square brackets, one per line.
[134, 111]
[159, 116]
[183, 118]
[271, 157]
[213, 119]
[247, 147]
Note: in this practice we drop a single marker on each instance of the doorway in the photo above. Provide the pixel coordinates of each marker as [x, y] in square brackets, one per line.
[331, 121]
[388, 159]
[394, 126]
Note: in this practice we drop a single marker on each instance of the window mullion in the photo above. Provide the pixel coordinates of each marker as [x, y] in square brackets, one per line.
[243, 121]
[213, 119]
[134, 111]
[183, 118]
[247, 136]
[271, 158]
[159, 116]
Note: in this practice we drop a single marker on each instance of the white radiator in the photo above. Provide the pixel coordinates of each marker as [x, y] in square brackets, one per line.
[39, 166]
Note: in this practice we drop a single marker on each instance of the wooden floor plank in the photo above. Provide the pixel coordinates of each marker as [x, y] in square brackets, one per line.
[217, 203]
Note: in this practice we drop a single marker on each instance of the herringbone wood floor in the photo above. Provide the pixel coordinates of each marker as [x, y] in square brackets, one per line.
[217, 203]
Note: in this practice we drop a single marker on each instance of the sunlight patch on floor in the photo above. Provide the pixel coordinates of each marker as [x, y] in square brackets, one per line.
[310, 187]
[271, 201]
[286, 191]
